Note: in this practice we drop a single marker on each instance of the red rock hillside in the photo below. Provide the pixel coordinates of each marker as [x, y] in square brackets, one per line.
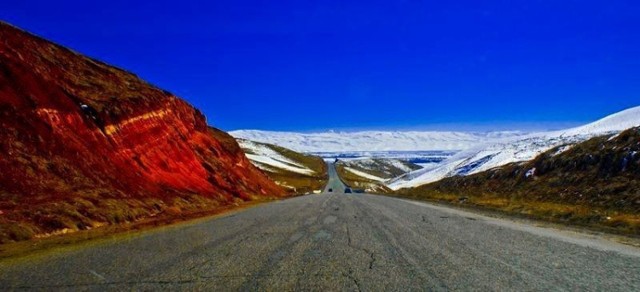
[83, 144]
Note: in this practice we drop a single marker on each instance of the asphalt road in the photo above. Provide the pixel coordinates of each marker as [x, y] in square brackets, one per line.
[334, 185]
[339, 242]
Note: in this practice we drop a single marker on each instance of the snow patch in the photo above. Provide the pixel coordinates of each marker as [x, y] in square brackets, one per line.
[364, 174]
[562, 149]
[530, 173]
[278, 164]
[270, 160]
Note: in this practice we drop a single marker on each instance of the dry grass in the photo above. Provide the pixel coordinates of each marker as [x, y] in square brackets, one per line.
[595, 183]
[297, 183]
[385, 168]
[80, 238]
[586, 216]
[93, 209]
[357, 182]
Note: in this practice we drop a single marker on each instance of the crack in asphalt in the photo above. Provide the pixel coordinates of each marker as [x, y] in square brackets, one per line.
[365, 250]
[284, 249]
[211, 258]
[373, 260]
[352, 278]
[392, 242]
[369, 243]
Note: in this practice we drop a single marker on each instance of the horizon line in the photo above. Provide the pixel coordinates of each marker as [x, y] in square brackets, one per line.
[482, 127]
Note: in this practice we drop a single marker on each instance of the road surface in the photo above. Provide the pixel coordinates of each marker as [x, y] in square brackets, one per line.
[334, 185]
[336, 241]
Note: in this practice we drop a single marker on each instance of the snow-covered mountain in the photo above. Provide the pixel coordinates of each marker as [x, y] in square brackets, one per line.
[515, 149]
[373, 140]
[475, 152]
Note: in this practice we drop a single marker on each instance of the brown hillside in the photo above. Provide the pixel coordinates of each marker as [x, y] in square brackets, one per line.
[595, 183]
[84, 144]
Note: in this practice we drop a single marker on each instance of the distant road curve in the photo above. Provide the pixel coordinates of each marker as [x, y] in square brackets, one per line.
[339, 241]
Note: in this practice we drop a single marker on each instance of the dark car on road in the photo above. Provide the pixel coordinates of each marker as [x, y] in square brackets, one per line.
[330, 190]
[347, 191]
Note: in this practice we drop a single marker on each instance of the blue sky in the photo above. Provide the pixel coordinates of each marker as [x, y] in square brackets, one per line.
[317, 65]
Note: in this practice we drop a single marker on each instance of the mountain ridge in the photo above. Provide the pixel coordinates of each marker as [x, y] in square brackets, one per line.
[373, 140]
[593, 183]
[490, 155]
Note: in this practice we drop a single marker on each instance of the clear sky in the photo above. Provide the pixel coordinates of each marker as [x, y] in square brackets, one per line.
[316, 65]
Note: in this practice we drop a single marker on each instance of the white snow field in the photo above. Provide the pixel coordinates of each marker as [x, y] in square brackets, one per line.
[372, 141]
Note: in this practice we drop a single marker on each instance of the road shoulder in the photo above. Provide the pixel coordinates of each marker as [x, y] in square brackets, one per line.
[583, 236]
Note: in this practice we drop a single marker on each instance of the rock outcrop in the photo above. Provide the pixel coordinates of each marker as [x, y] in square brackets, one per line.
[83, 143]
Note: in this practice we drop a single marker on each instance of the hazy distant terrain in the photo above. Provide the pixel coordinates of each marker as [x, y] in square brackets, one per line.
[374, 141]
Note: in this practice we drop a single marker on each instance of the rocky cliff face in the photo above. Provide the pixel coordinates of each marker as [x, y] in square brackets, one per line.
[80, 140]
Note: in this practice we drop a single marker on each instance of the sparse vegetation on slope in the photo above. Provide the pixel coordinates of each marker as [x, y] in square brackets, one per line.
[298, 173]
[593, 183]
[371, 173]
[84, 145]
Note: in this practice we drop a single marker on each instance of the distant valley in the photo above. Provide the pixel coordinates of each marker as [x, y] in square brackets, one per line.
[514, 172]
[441, 154]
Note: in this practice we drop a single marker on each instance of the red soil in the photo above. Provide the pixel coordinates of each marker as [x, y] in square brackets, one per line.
[72, 127]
